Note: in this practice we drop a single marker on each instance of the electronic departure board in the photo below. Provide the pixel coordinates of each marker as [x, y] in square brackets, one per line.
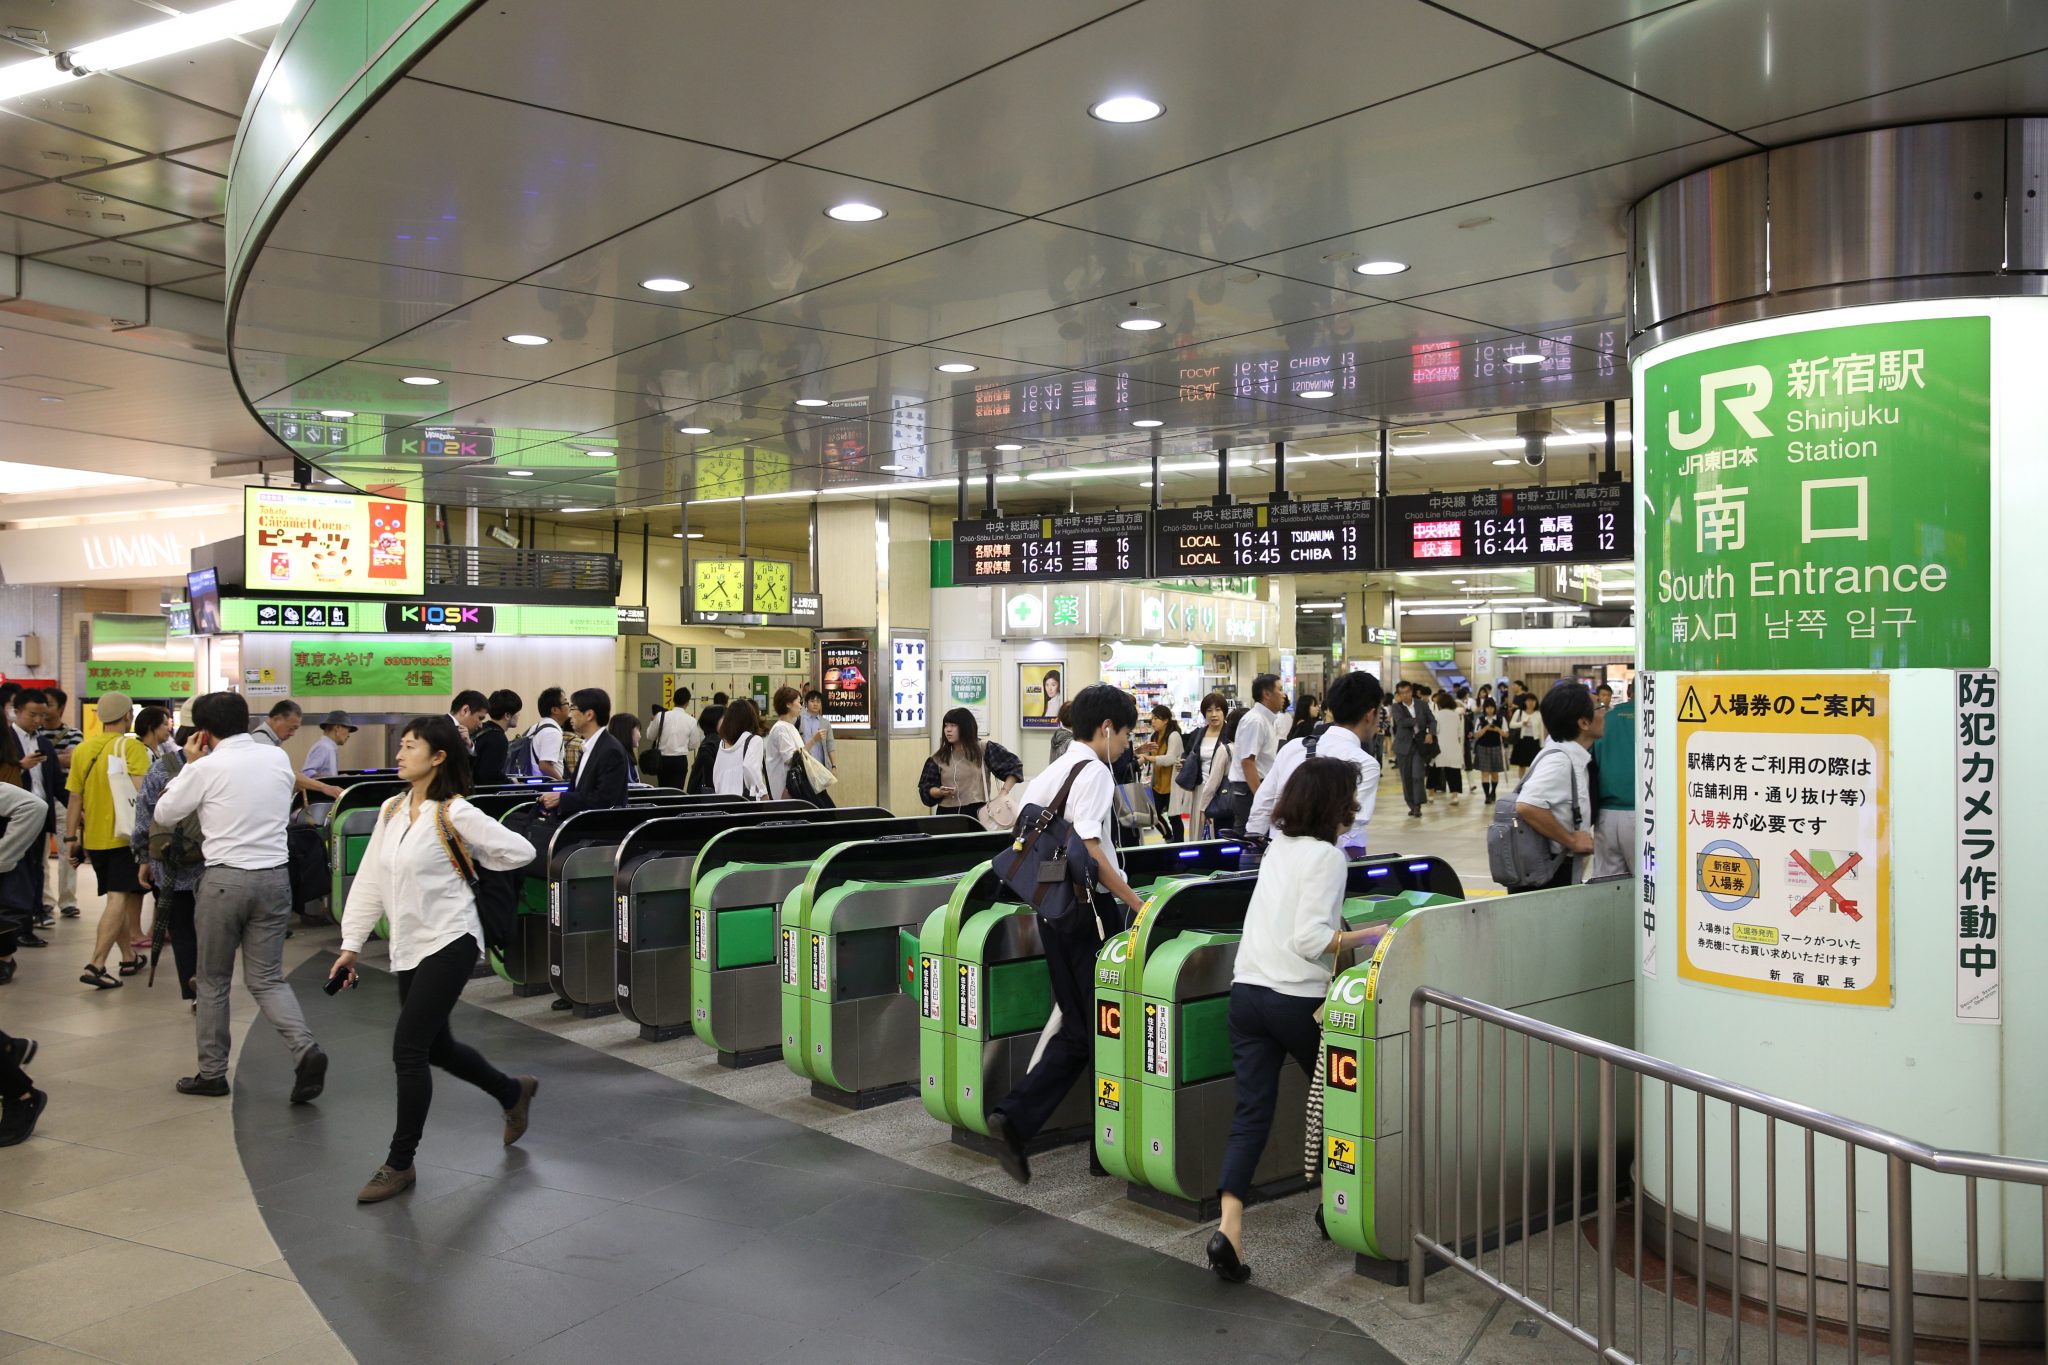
[1072, 548]
[1574, 524]
[1288, 537]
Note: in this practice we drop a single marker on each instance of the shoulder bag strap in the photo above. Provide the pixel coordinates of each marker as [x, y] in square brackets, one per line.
[452, 845]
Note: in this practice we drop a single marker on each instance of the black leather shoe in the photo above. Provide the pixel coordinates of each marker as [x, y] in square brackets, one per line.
[1223, 1260]
[1009, 1148]
[29, 938]
[311, 1077]
[213, 1086]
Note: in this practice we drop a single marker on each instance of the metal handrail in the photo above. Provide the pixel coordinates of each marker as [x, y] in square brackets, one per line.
[1900, 1153]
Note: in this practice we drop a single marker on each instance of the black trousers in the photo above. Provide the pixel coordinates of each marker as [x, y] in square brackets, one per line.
[14, 1082]
[426, 998]
[1071, 944]
[176, 907]
[674, 770]
[1266, 1028]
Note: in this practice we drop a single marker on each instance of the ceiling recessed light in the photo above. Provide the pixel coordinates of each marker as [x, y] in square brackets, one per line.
[854, 211]
[957, 367]
[1525, 358]
[1126, 109]
[332, 483]
[694, 535]
[336, 412]
[695, 431]
[811, 402]
[1380, 267]
[1148, 422]
[890, 468]
[600, 454]
[423, 381]
[1507, 462]
[1458, 580]
[1315, 393]
[527, 339]
[579, 509]
[520, 473]
[1008, 445]
[1141, 324]
[664, 284]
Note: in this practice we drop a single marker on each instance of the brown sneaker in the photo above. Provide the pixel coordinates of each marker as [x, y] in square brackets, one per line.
[515, 1117]
[386, 1183]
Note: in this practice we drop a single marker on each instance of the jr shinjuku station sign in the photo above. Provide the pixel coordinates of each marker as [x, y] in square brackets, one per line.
[1789, 517]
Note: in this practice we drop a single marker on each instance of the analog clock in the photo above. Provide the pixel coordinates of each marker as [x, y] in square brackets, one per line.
[770, 587]
[719, 585]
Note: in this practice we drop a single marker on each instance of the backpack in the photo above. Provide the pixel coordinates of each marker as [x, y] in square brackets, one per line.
[1517, 856]
[519, 759]
[1047, 863]
[497, 893]
[698, 783]
[176, 846]
[305, 858]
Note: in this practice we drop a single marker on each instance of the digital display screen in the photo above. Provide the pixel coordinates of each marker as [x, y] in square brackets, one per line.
[846, 678]
[1572, 524]
[298, 540]
[1289, 537]
[202, 591]
[1062, 549]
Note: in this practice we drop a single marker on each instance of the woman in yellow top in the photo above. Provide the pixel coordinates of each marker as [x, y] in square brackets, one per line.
[106, 771]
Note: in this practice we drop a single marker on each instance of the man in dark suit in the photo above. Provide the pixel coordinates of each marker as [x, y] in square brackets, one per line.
[604, 770]
[40, 775]
[1413, 724]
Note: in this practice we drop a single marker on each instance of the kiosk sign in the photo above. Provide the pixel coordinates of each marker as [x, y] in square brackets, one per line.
[1784, 878]
[1820, 498]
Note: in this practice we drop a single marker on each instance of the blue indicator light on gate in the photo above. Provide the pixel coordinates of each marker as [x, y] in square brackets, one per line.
[1376, 871]
[1418, 867]
[1230, 848]
[1189, 853]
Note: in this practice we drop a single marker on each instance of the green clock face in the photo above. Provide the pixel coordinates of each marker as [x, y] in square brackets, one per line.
[771, 587]
[719, 585]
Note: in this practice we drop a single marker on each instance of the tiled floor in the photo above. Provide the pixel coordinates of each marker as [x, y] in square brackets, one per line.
[660, 1204]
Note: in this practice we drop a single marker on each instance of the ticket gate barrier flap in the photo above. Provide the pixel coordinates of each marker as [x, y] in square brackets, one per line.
[1565, 956]
[985, 995]
[739, 880]
[1165, 1090]
[651, 940]
[853, 1034]
[581, 859]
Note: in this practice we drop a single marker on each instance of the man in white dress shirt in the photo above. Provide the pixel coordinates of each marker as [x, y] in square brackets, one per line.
[242, 792]
[1258, 745]
[1354, 706]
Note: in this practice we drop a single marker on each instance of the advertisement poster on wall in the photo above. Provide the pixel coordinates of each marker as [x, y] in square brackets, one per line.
[909, 681]
[968, 688]
[296, 540]
[845, 673]
[1041, 691]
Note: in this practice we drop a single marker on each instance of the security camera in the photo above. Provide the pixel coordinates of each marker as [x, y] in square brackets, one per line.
[1534, 429]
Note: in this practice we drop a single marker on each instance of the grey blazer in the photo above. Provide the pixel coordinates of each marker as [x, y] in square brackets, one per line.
[1409, 728]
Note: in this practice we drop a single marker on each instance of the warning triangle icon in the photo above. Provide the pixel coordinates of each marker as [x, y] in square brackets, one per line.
[1689, 709]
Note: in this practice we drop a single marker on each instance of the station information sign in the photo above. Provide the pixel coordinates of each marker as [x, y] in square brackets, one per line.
[1288, 537]
[1572, 524]
[1077, 548]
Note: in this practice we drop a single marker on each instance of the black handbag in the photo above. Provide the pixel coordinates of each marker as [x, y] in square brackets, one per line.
[1047, 863]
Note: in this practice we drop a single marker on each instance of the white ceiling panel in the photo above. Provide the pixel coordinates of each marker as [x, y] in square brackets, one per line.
[529, 186]
[1746, 62]
[581, 329]
[131, 262]
[326, 309]
[843, 63]
[729, 357]
[83, 210]
[1311, 60]
[22, 236]
[362, 387]
[208, 156]
[1026, 268]
[1564, 297]
[1529, 121]
[2017, 85]
[161, 184]
[767, 237]
[1545, 22]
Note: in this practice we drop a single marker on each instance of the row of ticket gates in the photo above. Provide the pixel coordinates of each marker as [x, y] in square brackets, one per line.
[878, 957]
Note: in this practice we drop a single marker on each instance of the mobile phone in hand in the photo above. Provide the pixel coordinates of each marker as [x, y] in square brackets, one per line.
[335, 983]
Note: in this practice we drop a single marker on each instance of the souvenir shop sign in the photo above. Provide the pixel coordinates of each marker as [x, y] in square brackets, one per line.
[372, 668]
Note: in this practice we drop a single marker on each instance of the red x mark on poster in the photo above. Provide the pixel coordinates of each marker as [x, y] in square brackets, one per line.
[1826, 886]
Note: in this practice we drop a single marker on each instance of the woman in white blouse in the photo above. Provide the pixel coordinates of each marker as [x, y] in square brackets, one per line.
[1293, 930]
[409, 876]
[737, 771]
[785, 741]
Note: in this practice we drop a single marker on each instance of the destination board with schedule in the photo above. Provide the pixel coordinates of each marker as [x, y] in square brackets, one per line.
[1072, 548]
[1570, 524]
[1287, 537]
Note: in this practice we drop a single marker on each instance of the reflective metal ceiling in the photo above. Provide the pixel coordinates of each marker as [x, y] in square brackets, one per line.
[546, 158]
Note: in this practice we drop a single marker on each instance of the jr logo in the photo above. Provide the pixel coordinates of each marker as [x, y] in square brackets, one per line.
[1743, 407]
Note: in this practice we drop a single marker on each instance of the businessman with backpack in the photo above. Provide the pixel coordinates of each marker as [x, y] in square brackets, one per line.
[1078, 785]
[1354, 707]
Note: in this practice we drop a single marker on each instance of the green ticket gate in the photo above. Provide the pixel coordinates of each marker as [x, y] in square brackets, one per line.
[849, 1025]
[1564, 956]
[984, 997]
[525, 963]
[1164, 1088]
[582, 855]
[738, 884]
[651, 905]
[352, 817]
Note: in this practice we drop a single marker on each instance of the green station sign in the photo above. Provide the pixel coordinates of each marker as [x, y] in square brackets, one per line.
[372, 668]
[139, 678]
[1429, 654]
[1820, 497]
[356, 617]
